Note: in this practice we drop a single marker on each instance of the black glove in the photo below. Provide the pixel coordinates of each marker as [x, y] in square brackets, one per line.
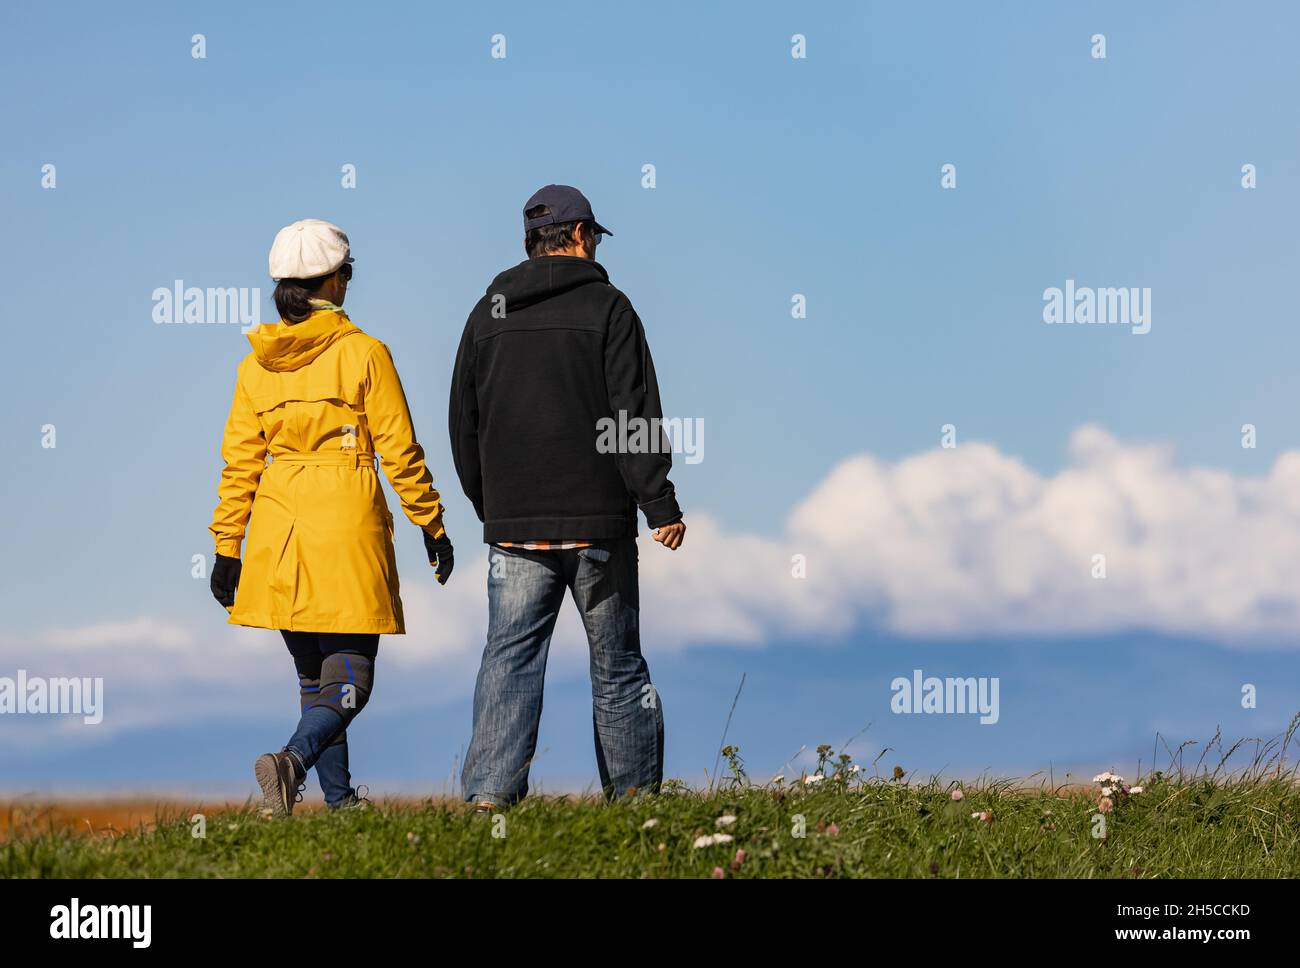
[441, 555]
[225, 579]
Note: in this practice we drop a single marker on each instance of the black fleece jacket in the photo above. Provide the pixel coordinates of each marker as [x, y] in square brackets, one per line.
[550, 350]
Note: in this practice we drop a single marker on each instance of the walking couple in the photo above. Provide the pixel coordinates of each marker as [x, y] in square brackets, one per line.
[549, 351]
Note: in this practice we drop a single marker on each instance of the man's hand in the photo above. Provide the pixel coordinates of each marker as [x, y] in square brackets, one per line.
[441, 555]
[672, 535]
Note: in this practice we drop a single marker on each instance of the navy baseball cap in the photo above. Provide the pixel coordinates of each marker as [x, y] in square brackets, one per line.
[566, 203]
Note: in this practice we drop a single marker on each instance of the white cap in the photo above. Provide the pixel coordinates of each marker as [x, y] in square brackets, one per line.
[307, 249]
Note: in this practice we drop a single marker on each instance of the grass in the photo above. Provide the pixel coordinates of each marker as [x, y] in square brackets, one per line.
[1200, 823]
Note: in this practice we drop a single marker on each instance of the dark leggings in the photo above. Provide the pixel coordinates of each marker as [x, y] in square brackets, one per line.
[335, 672]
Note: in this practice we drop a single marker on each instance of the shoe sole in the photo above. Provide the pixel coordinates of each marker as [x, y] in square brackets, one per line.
[267, 771]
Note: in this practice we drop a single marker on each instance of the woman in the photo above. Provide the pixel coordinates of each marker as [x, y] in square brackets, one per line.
[320, 399]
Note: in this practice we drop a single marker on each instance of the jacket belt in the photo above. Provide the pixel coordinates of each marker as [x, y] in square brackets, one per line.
[333, 458]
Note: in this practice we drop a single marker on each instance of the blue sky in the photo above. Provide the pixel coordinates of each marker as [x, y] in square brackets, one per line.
[775, 176]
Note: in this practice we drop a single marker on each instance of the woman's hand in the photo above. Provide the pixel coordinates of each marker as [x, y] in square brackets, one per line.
[225, 579]
[441, 555]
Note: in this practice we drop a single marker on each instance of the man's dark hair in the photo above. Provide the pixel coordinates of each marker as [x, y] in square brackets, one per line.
[549, 238]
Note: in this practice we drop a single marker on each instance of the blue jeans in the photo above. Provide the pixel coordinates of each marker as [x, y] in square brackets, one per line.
[525, 592]
[321, 738]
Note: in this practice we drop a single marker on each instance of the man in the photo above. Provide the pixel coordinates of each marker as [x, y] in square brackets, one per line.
[551, 354]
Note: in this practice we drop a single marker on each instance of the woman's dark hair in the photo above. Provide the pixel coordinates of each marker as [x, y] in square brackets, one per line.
[293, 297]
[548, 238]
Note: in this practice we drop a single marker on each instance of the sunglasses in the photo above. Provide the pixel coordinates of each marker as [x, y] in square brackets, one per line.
[346, 271]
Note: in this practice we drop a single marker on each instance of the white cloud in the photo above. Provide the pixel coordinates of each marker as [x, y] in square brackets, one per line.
[147, 632]
[970, 541]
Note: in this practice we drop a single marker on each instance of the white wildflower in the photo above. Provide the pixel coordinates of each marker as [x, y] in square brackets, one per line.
[708, 840]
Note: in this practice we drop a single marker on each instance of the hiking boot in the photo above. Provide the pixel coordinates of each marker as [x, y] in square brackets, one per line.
[357, 799]
[281, 779]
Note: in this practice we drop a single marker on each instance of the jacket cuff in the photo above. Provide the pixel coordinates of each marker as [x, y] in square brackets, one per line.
[229, 547]
[661, 511]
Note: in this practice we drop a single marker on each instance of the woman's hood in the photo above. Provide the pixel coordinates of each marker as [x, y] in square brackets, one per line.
[289, 346]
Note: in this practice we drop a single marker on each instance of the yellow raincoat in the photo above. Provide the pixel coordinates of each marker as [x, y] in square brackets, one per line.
[320, 398]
